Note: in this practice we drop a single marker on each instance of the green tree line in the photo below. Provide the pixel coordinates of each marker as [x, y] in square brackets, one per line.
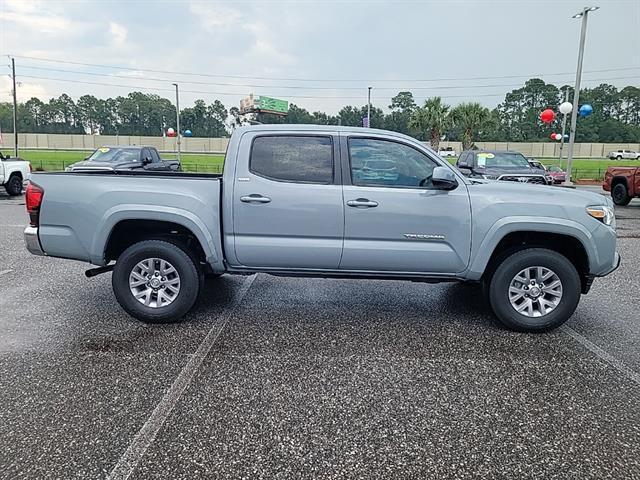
[615, 118]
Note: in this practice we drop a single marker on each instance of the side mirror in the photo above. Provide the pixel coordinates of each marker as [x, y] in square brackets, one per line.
[146, 160]
[443, 178]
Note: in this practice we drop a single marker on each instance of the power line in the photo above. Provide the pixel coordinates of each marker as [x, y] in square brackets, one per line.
[170, 72]
[298, 87]
[343, 97]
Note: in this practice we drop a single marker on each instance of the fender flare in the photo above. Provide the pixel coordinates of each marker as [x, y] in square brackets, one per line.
[503, 227]
[121, 212]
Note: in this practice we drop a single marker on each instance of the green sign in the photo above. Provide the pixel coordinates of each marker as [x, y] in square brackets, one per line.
[273, 105]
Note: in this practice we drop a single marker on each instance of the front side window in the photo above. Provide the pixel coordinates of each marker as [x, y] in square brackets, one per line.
[304, 159]
[155, 158]
[388, 164]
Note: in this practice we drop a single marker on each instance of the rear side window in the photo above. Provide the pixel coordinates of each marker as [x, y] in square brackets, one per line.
[303, 159]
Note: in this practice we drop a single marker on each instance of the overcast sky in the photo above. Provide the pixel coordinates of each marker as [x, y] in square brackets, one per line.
[340, 47]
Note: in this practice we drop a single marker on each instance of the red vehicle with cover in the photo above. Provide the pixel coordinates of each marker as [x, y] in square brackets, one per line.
[623, 183]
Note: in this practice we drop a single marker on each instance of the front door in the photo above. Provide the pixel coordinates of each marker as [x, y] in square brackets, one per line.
[287, 201]
[395, 220]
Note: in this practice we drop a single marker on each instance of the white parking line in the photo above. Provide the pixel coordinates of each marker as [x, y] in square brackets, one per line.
[2, 272]
[610, 359]
[146, 435]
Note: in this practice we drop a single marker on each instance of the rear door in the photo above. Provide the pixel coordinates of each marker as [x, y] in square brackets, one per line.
[395, 220]
[287, 201]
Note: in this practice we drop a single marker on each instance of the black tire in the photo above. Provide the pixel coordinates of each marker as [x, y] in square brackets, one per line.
[506, 271]
[620, 194]
[14, 185]
[183, 262]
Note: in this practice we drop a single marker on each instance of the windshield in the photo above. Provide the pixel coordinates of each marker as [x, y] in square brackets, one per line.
[115, 155]
[502, 159]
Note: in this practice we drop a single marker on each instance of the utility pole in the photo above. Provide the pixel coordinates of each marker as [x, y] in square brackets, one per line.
[369, 108]
[564, 124]
[177, 118]
[584, 14]
[15, 109]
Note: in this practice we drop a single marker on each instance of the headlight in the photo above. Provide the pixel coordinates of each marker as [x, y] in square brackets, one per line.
[603, 213]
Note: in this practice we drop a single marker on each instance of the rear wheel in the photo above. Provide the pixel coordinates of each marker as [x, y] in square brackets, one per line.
[156, 281]
[534, 290]
[14, 185]
[620, 194]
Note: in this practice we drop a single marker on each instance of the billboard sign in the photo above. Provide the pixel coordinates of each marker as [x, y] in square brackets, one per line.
[261, 104]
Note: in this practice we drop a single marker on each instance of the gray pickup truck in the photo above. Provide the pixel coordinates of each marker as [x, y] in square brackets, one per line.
[326, 201]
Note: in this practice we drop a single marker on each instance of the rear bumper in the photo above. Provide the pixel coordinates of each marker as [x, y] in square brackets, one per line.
[32, 241]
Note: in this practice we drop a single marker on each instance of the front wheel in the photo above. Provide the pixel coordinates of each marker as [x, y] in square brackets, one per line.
[156, 281]
[534, 290]
[620, 195]
[14, 186]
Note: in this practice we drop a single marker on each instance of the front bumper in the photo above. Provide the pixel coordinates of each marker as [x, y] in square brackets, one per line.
[32, 241]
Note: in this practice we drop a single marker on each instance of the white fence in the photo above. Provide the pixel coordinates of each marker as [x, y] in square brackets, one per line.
[49, 141]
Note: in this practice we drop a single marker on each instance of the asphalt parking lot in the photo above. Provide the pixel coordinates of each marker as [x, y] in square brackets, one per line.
[309, 378]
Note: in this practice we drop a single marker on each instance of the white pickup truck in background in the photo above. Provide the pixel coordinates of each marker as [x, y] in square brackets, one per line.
[624, 155]
[14, 174]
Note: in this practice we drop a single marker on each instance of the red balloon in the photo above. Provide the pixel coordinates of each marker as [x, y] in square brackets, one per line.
[547, 115]
[552, 136]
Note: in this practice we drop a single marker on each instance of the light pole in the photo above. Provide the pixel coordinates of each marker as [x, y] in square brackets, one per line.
[564, 125]
[177, 119]
[369, 107]
[15, 108]
[584, 14]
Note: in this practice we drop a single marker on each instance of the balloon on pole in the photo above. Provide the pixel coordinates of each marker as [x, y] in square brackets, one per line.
[565, 108]
[171, 132]
[187, 133]
[585, 110]
[547, 116]
[558, 136]
[553, 136]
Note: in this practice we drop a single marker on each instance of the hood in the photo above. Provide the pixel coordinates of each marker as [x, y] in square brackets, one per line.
[531, 195]
[93, 165]
[511, 171]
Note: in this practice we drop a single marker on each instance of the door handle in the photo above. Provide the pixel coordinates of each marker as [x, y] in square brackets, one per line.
[255, 197]
[362, 202]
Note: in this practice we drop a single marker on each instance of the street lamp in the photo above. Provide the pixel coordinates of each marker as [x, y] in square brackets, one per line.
[369, 107]
[177, 119]
[584, 14]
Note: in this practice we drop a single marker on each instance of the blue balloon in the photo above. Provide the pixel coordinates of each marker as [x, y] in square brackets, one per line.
[187, 133]
[585, 110]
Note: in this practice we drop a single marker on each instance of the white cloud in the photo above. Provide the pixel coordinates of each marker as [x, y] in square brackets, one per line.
[26, 90]
[119, 34]
[214, 17]
[33, 16]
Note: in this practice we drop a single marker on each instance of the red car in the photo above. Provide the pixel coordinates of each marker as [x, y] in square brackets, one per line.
[623, 183]
[557, 174]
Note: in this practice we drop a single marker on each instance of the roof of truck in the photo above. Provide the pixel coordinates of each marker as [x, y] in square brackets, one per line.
[319, 128]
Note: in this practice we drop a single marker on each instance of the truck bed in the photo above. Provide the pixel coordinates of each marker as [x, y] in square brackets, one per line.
[81, 209]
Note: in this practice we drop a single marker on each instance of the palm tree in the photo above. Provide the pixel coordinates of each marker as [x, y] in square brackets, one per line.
[471, 118]
[432, 119]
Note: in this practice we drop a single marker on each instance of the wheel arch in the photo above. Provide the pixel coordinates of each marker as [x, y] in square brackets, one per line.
[566, 237]
[123, 227]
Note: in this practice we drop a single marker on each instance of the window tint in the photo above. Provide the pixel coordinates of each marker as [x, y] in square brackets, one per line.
[389, 164]
[145, 153]
[293, 158]
[155, 158]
